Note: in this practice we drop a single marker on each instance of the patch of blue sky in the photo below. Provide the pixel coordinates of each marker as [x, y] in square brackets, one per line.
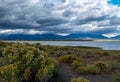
[115, 2]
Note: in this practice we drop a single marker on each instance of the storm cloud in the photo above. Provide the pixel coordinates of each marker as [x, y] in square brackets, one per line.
[59, 16]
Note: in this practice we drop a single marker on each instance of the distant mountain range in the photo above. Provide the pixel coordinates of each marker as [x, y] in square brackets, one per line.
[52, 37]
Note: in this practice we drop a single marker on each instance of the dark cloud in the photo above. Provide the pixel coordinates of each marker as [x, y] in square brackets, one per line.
[2, 12]
[67, 13]
[90, 19]
[50, 22]
[60, 16]
[115, 21]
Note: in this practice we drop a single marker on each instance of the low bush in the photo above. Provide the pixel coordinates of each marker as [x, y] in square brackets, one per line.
[76, 63]
[82, 70]
[112, 65]
[101, 65]
[25, 63]
[116, 78]
[0, 53]
[68, 58]
[105, 54]
[80, 79]
[97, 67]
[92, 69]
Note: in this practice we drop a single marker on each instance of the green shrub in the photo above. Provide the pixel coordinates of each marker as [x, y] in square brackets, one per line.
[82, 70]
[76, 63]
[68, 58]
[116, 78]
[105, 54]
[92, 69]
[101, 65]
[80, 79]
[9, 73]
[0, 53]
[23, 62]
[112, 65]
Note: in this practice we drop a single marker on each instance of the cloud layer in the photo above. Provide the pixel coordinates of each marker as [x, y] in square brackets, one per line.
[59, 16]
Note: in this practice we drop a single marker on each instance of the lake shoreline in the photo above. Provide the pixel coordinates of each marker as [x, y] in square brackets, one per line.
[96, 40]
[103, 44]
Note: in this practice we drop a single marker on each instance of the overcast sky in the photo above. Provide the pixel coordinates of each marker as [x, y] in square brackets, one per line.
[61, 17]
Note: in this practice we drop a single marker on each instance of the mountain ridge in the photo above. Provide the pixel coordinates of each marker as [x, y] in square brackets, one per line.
[52, 37]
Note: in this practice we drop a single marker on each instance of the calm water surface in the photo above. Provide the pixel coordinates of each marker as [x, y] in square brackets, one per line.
[110, 45]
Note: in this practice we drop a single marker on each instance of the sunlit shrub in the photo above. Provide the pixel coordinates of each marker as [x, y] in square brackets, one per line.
[76, 63]
[92, 69]
[68, 58]
[101, 65]
[9, 73]
[82, 70]
[27, 73]
[80, 79]
[23, 62]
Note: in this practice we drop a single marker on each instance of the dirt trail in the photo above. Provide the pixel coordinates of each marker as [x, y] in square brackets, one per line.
[67, 72]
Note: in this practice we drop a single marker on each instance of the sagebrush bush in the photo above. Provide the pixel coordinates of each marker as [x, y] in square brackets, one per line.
[101, 65]
[82, 70]
[9, 73]
[97, 68]
[93, 69]
[68, 58]
[23, 62]
[80, 79]
[76, 63]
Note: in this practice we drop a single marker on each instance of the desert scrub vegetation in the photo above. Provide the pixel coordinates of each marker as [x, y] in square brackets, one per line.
[82, 70]
[112, 65]
[92, 69]
[102, 65]
[68, 58]
[25, 63]
[106, 54]
[116, 78]
[76, 63]
[98, 67]
[80, 79]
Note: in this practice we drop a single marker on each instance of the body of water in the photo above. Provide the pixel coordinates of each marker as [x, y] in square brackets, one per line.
[106, 45]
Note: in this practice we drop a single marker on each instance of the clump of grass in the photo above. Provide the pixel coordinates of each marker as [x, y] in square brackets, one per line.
[68, 58]
[116, 78]
[80, 79]
[93, 69]
[82, 70]
[90, 69]
[112, 65]
[107, 66]
[76, 63]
